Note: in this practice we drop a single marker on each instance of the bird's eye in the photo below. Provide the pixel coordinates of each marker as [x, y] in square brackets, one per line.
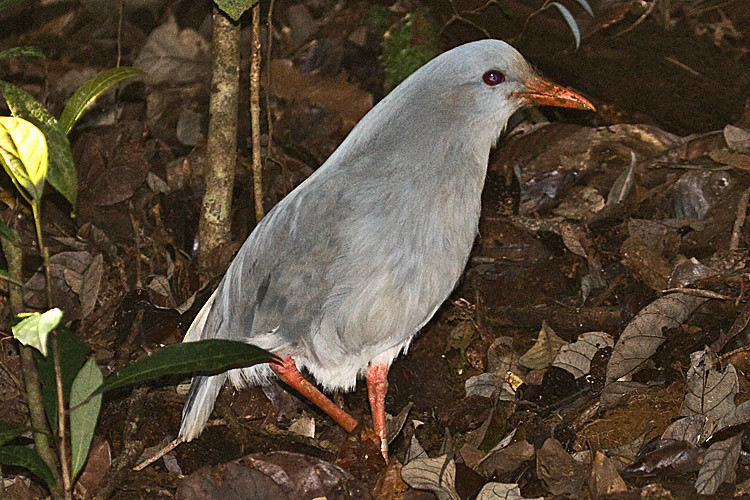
[493, 77]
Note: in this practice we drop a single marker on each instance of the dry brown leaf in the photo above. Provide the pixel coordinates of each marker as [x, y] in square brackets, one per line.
[709, 392]
[719, 465]
[576, 357]
[644, 334]
[604, 478]
[543, 352]
[437, 475]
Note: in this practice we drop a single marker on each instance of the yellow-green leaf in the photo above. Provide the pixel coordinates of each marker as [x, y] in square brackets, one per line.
[62, 173]
[35, 328]
[24, 152]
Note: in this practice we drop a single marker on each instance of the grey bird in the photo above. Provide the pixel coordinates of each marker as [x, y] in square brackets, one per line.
[340, 276]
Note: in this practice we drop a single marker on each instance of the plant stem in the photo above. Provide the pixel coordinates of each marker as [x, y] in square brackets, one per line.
[61, 416]
[39, 423]
[255, 114]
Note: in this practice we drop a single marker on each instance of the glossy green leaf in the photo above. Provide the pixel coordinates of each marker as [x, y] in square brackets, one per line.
[204, 356]
[235, 8]
[61, 173]
[10, 431]
[34, 329]
[572, 24]
[73, 354]
[89, 91]
[21, 456]
[83, 418]
[23, 149]
[22, 52]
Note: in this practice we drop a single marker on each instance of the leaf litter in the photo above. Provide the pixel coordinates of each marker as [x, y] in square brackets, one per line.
[583, 228]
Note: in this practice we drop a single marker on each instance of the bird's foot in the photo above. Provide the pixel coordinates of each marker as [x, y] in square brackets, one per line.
[286, 369]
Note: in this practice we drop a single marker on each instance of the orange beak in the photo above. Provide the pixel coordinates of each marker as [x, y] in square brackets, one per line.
[545, 93]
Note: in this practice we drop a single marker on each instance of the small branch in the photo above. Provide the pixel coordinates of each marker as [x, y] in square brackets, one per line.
[255, 114]
[739, 221]
[61, 421]
[457, 16]
[533, 14]
[137, 239]
[35, 208]
[698, 292]
[639, 20]
[33, 388]
[156, 456]
[134, 446]
[269, 43]
[61, 415]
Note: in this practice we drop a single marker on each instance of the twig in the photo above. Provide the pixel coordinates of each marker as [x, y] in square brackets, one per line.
[682, 65]
[137, 238]
[639, 20]
[133, 446]
[533, 14]
[739, 221]
[460, 18]
[156, 456]
[697, 292]
[120, 10]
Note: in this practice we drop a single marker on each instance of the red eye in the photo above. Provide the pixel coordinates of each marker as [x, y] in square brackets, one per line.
[493, 77]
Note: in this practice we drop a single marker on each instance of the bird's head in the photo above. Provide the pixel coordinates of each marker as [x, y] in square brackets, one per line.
[483, 83]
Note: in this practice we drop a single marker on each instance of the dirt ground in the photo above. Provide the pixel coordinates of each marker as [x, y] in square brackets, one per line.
[576, 236]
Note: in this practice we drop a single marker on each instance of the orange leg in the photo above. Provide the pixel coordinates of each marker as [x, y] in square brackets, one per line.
[287, 371]
[377, 387]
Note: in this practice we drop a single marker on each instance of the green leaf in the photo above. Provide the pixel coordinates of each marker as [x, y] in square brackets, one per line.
[20, 456]
[10, 431]
[235, 8]
[89, 91]
[203, 356]
[7, 277]
[62, 172]
[23, 149]
[572, 24]
[585, 5]
[8, 233]
[83, 418]
[35, 328]
[5, 4]
[22, 52]
[73, 354]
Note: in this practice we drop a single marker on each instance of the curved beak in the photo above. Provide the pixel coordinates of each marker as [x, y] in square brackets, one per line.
[542, 92]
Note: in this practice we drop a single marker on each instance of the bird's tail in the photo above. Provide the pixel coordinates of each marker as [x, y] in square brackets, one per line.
[203, 389]
[200, 404]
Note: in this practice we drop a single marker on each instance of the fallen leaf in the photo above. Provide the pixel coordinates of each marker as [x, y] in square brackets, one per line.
[433, 474]
[644, 334]
[719, 465]
[543, 352]
[576, 357]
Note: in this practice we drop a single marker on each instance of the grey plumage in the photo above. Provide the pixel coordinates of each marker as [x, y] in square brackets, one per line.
[348, 267]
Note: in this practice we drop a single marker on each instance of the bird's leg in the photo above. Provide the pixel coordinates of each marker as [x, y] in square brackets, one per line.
[287, 371]
[377, 387]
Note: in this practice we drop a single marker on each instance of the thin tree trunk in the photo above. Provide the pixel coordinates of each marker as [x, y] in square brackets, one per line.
[221, 150]
[255, 114]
